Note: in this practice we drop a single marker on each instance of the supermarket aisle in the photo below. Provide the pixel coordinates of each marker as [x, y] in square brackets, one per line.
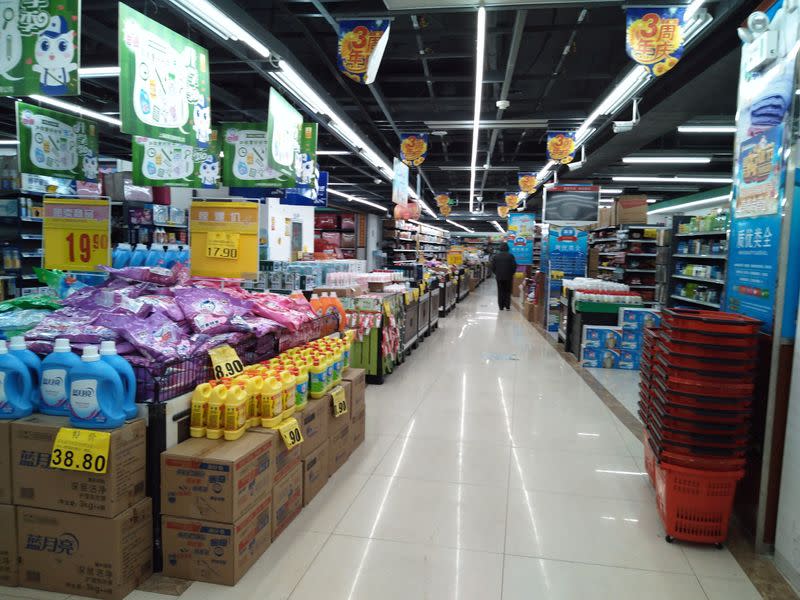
[490, 470]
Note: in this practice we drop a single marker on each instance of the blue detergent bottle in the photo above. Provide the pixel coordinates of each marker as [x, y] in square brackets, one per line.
[171, 256]
[15, 386]
[121, 256]
[155, 257]
[95, 393]
[18, 348]
[55, 379]
[138, 256]
[108, 353]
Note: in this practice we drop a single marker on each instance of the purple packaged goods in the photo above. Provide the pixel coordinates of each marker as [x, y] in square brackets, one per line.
[211, 311]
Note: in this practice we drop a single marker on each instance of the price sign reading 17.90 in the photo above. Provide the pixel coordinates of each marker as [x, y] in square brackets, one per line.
[76, 233]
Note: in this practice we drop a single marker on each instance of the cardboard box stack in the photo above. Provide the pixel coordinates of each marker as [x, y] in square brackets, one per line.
[73, 532]
[618, 346]
[630, 210]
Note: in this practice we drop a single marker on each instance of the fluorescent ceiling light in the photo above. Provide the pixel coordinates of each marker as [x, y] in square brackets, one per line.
[476, 116]
[350, 198]
[610, 190]
[220, 23]
[607, 200]
[677, 160]
[333, 152]
[706, 128]
[696, 204]
[459, 224]
[477, 168]
[98, 72]
[675, 179]
[498, 227]
[9, 142]
[651, 200]
[335, 183]
[78, 110]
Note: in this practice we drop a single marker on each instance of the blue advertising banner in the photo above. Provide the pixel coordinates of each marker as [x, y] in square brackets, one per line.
[413, 148]
[756, 228]
[654, 37]
[361, 46]
[521, 230]
[568, 249]
[322, 189]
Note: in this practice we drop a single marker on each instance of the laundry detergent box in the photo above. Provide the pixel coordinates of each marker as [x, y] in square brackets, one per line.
[8, 545]
[639, 318]
[632, 339]
[600, 358]
[602, 336]
[629, 359]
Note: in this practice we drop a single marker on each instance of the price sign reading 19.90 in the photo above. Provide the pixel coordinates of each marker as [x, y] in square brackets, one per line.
[76, 233]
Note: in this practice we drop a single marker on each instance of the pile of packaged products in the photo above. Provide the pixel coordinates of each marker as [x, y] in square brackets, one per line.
[268, 393]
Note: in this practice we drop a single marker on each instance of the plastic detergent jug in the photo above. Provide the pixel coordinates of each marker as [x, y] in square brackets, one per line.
[254, 386]
[271, 402]
[108, 352]
[121, 256]
[55, 371]
[236, 421]
[328, 369]
[335, 306]
[199, 413]
[138, 256]
[337, 365]
[287, 388]
[183, 255]
[171, 256]
[346, 346]
[155, 257]
[18, 348]
[215, 424]
[316, 377]
[96, 394]
[300, 373]
[15, 386]
[316, 304]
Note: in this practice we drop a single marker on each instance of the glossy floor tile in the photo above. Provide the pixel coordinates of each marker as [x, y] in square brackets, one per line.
[490, 470]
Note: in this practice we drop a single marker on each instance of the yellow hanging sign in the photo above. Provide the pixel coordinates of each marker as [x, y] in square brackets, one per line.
[76, 233]
[224, 239]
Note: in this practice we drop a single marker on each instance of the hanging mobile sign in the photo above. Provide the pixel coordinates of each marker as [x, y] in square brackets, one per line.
[527, 182]
[413, 148]
[362, 43]
[400, 183]
[224, 239]
[164, 87]
[511, 199]
[246, 161]
[284, 124]
[654, 37]
[40, 43]
[163, 163]
[55, 144]
[560, 147]
[76, 233]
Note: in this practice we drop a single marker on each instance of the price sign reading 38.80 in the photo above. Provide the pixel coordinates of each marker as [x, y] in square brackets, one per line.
[76, 233]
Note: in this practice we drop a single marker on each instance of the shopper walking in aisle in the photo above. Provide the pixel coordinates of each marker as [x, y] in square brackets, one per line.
[504, 266]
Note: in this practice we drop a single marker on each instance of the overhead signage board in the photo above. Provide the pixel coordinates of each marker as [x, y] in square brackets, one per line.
[162, 163]
[284, 126]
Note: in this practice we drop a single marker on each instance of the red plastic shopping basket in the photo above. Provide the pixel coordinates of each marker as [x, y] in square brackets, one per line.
[695, 505]
[650, 458]
[710, 321]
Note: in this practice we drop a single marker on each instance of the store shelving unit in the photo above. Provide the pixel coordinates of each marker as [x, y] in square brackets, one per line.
[405, 242]
[21, 239]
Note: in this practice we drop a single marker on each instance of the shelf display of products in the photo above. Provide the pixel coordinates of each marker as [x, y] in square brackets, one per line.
[335, 234]
[407, 242]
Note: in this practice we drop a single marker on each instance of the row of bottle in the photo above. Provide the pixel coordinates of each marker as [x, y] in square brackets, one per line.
[96, 391]
[266, 394]
[158, 255]
[328, 304]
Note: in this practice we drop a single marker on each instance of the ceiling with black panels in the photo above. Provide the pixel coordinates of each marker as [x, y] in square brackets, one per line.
[569, 58]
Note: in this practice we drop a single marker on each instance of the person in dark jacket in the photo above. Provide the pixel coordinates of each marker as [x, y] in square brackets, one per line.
[504, 266]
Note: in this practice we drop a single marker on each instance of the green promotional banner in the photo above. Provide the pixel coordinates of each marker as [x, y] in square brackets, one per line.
[162, 163]
[308, 172]
[40, 47]
[164, 87]
[283, 140]
[246, 161]
[56, 144]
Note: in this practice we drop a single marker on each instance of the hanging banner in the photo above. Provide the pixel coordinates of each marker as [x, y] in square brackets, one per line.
[284, 123]
[56, 144]
[400, 183]
[162, 163]
[502, 211]
[445, 210]
[246, 151]
[164, 88]
[521, 230]
[362, 43]
[568, 250]
[442, 200]
[40, 43]
[561, 146]
[322, 189]
[511, 199]
[224, 239]
[527, 182]
[413, 148]
[308, 171]
[76, 233]
[654, 37]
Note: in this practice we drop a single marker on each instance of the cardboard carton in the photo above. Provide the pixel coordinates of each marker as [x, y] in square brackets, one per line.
[315, 472]
[5, 462]
[284, 459]
[8, 546]
[358, 430]
[85, 555]
[287, 501]
[313, 421]
[602, 336]
[216, 552]
[341, 442]
[35, 484]
[358, 389]
[631, 210]
[217, 480]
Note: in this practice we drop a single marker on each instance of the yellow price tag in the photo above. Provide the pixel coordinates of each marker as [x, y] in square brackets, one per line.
[76, 234]
[339, 401]
[225, 362]
[290, 432]
[222, 244]
[80, 450]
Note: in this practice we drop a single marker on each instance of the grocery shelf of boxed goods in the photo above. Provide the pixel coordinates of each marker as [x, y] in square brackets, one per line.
[407, 242]
[697, 382]
[698, 264]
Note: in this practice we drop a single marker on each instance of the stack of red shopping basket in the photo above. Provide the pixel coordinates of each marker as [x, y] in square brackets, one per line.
[698, 378]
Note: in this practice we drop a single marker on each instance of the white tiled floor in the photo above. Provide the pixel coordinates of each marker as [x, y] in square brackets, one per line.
[487, 478]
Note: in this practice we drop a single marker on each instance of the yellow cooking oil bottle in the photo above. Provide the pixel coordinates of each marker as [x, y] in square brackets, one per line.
[316, 377]
[236, 420]
[300, 373]
[287, 385]
[199, 410]
[271, 402]
[215, 424]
